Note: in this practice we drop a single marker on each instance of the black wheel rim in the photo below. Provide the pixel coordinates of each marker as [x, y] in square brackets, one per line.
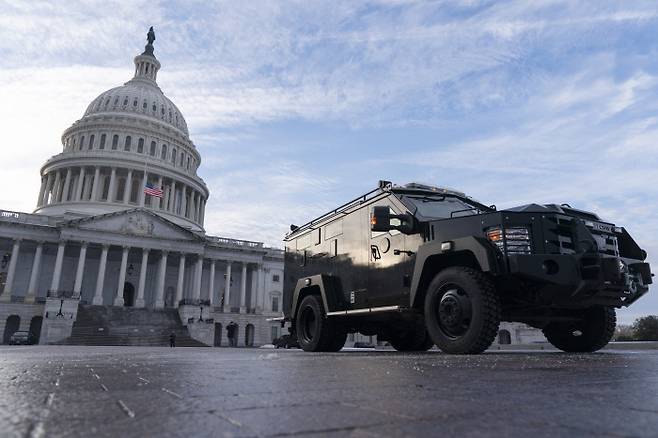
[308, 324]
[454, 311]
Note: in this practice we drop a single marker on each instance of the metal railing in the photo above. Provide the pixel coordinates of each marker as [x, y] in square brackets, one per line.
[25, 218]
[63, 294]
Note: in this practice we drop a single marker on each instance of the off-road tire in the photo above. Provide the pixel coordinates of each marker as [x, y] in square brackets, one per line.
[412, 340]
[316, 332]
[478, 291]
[590, 334]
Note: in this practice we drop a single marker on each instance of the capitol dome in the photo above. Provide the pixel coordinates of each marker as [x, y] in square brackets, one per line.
[131, 148]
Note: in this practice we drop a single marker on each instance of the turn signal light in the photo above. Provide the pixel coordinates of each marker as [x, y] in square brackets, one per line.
[495, 235]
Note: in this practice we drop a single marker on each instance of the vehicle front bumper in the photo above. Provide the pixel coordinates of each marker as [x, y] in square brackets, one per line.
[584, 279]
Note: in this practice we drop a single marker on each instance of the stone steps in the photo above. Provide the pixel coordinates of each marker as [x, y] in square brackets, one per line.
[100, 325]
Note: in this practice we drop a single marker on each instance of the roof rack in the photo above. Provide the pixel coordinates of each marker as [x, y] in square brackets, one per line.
[339, 210]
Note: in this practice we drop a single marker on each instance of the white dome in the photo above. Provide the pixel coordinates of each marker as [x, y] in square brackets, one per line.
[138, 97]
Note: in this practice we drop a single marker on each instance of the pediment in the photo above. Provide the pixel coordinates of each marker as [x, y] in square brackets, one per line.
[134, 223]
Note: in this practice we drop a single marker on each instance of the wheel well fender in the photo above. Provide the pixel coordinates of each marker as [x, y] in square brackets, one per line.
[472, 252]
[322, 285]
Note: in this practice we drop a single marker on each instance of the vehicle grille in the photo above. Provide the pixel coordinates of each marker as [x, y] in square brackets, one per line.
[560, 237]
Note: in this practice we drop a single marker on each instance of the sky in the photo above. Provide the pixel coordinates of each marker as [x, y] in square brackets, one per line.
[299, 106]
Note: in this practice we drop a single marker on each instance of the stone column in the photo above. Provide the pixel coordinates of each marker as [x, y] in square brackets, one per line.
[139, 302]
[261, 286]
[79, 272]
[211, 282]
[203, 212]
[253, 299]
[165, 201]
[183, 199]
[111, 189]
[80, 185]
[142, 195]
[181, 279]
[192, 207]
[11, 272]
[118, 300]
[227, 288]
[100, 280]
[96, 183]
[198, 273]
[49, 187]
[172, 204]
[160, 200]
[42, 190]
[243, 289]
[59, 261]
[34, 275]
[55, 188]
[162, 271]
[67, 186]
[127, 189]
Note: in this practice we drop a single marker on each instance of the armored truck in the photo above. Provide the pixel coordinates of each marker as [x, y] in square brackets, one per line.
[419, 266]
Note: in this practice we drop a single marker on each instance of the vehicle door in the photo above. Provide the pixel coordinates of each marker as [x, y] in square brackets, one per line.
[388, 264]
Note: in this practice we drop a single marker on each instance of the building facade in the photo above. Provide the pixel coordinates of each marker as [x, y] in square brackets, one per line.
[119, 221]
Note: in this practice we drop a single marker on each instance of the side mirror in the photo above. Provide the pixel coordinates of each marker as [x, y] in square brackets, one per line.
[380, 220]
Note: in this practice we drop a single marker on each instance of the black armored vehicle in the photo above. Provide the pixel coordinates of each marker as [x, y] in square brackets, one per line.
[418, 265]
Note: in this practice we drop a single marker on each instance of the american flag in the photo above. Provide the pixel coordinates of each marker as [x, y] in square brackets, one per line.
[151, 190]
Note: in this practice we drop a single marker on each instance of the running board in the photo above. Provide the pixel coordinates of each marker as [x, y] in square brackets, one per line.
[364, 311]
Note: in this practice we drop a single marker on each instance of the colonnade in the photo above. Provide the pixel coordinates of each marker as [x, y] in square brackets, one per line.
[199, 260]
[123, 186]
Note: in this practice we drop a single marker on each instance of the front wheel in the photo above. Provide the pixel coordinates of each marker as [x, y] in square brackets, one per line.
[590, 332]
[316, 332]
[462, 310]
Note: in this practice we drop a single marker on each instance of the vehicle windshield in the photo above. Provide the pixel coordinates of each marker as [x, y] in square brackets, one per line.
[441, 207]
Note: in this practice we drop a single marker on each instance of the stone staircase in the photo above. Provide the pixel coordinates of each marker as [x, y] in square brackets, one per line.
[105, 325]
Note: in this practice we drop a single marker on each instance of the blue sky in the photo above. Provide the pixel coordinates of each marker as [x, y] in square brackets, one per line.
[297, 106]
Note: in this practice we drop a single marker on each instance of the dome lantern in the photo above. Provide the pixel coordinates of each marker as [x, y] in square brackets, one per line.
[146, 65]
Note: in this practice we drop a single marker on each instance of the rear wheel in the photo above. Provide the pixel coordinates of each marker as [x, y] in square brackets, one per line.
[416, 339]
[315, 332]
[462, 310]
[591, 332]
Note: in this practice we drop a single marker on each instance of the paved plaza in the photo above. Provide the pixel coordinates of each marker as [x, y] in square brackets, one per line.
[129, 391]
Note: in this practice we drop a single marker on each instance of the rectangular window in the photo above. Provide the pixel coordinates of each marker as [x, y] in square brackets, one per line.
[275, 304]
[102, 145]
[275, 278]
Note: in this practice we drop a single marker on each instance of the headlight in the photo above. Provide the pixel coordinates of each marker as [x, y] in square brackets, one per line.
[515, 239]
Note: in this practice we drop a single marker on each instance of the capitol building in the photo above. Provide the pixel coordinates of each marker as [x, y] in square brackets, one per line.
[116, 252]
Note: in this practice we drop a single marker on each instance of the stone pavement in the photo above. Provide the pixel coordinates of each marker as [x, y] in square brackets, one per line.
[150, 391]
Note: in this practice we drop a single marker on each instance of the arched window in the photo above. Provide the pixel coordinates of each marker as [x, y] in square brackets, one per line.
[140, 146]
[116, 100]
[181, 160]
[82, 142]
[126, 146]
[504, 337]
[145, 105]
[74, 143]
[173, 156]
[163, 152]
[102, 145]
[107, 102]
[154, 107]
[115, 142]
[91, 142]
[188, 163]
[135, 103]
[125, 101]
[152, 151]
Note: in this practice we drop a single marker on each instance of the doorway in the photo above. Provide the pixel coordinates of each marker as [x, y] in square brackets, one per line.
[35, 328]
[128, 294]
[249, 335]
[218, 335]
[12, 325]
